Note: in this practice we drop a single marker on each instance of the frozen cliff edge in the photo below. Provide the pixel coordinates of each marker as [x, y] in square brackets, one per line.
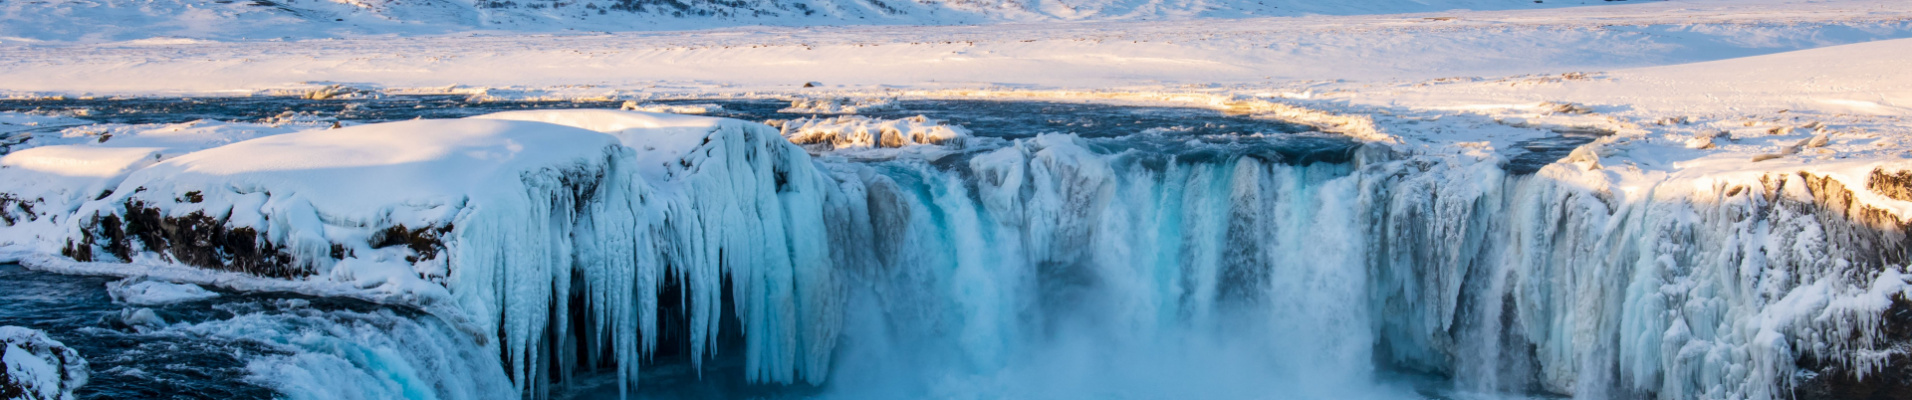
[34, 366]
[584, 239]
[509, 223]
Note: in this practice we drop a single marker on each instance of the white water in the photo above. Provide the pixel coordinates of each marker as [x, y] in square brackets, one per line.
[1055, 268]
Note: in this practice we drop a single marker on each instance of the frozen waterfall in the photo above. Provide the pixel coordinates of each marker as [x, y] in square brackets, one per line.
[1061, 266]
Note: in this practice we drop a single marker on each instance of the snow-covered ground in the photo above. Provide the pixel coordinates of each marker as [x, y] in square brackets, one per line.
[1205, 54]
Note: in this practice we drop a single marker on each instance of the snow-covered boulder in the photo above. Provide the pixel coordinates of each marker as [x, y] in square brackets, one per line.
[145, 291]
[290, 205]
[46, 174]
[34, 366]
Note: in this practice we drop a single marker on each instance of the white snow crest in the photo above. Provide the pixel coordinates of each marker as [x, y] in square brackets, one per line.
[34, 366]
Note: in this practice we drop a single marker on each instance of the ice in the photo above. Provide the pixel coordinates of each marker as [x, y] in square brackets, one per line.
[697, 200]
[148, 292]
[852, 131]
[38, 367]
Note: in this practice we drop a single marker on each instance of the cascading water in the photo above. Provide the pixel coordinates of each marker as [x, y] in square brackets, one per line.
[1047, 269]
[1160, 263]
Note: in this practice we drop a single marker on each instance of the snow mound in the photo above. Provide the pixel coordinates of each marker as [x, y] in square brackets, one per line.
[148, 292]
[291, 205]
[673, 108]
[51, 172]
[838, 105]
[34, 366]
[852, 131]
[661, 140]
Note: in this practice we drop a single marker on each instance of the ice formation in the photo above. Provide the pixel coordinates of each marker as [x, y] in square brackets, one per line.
[437, 211]
[855, 131]
[582, 239]
[36, 367]
[149, 292]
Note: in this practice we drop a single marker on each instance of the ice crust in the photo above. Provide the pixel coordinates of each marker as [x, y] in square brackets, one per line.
[563, 228]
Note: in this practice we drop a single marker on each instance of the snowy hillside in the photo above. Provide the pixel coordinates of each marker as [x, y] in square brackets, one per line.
[122, 20]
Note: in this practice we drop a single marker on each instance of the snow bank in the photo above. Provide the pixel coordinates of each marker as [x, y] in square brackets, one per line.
[148, 292]
[34, 366]
[49, 174]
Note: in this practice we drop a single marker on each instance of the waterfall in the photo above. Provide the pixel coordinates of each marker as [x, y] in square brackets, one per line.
[1156, 266]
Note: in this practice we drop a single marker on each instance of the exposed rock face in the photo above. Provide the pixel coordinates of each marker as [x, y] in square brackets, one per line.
[195, 239]
[1897, 185]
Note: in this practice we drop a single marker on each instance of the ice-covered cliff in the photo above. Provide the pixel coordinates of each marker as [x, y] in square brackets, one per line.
[1153, 265]
[549, 229]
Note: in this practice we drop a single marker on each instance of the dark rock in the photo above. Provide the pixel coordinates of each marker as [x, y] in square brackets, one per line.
[1897, 185]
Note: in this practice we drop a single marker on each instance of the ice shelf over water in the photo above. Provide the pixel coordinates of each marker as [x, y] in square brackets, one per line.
[1052, 266]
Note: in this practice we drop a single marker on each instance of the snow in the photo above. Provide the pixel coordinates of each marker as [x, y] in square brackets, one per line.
[174, 22]
[148, 292]
[53, 169]
[38, 367]
[1358, 45]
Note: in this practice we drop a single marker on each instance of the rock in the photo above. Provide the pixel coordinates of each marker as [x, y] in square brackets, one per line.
[34, 366]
